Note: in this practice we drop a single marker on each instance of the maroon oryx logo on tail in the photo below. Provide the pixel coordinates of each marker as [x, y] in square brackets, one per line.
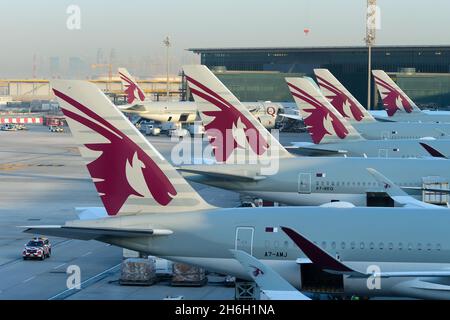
[393, 100]
[109, 170]
[346, 106]
[257, 271]
[131, 89]
[320, 120]
[229, 129]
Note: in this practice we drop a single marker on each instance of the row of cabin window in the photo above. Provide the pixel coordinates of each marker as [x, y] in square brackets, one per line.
[358, 183]
[381, 246]
[372, 246]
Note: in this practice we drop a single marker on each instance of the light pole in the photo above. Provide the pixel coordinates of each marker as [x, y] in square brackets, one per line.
[370, 40]
[167, 44]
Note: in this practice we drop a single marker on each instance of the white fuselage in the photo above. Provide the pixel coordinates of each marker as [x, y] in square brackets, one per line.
[389, 239]
[186, 112]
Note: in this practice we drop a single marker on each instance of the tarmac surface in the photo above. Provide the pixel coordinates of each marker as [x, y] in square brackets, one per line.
[43, 178]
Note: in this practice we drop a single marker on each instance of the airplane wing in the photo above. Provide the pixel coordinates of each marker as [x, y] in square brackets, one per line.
[223, 171]
[397, 194]
[330, 264]
[88, 233]
[269, 281]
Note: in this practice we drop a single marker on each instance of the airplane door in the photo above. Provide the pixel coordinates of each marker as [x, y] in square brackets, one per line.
[244, 239]
[304, 183]
[382, 153]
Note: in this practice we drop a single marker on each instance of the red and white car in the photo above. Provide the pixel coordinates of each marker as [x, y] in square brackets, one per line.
[39, 248]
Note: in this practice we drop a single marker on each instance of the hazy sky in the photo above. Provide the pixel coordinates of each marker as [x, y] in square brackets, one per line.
[136, 28]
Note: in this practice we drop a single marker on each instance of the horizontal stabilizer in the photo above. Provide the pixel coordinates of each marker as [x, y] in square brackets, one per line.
[84, 233]
[132, 108]
[314, 148]
[436, 190]
[227, 171]
[292, 116]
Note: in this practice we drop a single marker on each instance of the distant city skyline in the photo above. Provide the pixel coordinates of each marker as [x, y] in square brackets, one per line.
[37, 32]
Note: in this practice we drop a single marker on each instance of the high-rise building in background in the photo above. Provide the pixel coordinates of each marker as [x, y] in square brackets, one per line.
[100, 56]
[77, 68]
[55, 67]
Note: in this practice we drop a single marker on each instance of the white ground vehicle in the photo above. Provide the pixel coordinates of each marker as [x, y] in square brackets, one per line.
[9, 127]
[152, 130]
[178, 132]
[21, 127]
[55, 129]
[39, 248]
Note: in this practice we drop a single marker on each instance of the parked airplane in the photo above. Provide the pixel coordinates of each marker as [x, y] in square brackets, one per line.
[399, 106]
[185, 112]
[297, 180]
[364, 122]
[157, 111]
[341, 138]
[155, 211]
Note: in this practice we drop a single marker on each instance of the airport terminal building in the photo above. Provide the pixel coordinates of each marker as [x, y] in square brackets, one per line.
[422, 71]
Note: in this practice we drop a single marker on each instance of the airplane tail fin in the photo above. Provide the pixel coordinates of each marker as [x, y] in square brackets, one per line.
[394, 99]
[130, 175]
[230, 127]
[325, 124]
[131, 88]
[341, 99]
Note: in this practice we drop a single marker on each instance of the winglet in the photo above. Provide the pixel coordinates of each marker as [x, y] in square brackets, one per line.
[432, 151]
[269, 281]
[390, 187]
[397, 194]
[318, 256]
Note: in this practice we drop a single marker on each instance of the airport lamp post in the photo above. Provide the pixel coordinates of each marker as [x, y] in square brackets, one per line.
[370, 40]
[167, 44]
[369, 70]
